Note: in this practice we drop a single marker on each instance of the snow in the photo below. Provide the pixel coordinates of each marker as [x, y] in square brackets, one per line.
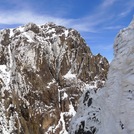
[63, 123]
[66, 33]
[50, 83]
[101, 61]
[10, 56]
[29, 35]
[4, 75]
[6, 126]
[111, 110]
[30, 58]
[11, 33]
[69, 75]
[64, 96]
[71, 110]
[21, 28]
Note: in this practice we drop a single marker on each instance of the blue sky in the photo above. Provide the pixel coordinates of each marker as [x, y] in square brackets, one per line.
[98, 21]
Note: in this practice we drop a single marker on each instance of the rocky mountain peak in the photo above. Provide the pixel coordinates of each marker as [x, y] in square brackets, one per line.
[44, 70]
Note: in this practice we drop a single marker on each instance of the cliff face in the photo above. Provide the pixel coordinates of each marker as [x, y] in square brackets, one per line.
[44, 70]
[111, 109]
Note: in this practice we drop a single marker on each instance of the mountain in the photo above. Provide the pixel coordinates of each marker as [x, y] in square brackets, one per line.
[110, 110]
[44, 70]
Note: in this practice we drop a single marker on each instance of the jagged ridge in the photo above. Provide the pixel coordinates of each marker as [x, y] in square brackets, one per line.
[44, 70]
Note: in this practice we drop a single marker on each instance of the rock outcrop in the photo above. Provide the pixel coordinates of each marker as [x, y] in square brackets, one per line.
[44, 70]
[111, 109]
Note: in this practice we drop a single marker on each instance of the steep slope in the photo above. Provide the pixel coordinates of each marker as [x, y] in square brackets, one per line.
[44, 70]
[111, 109]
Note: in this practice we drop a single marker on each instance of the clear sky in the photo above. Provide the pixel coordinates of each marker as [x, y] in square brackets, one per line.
[98, 21]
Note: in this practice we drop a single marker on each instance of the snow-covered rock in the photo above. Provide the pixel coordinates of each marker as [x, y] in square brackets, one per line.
[110, 110]
[43, 71]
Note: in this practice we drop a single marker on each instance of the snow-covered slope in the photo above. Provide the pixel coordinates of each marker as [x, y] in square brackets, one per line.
[111, 109]
[43, 71]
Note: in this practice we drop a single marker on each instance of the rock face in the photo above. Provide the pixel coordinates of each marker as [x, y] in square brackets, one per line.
[43, 71]
[111, 109]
